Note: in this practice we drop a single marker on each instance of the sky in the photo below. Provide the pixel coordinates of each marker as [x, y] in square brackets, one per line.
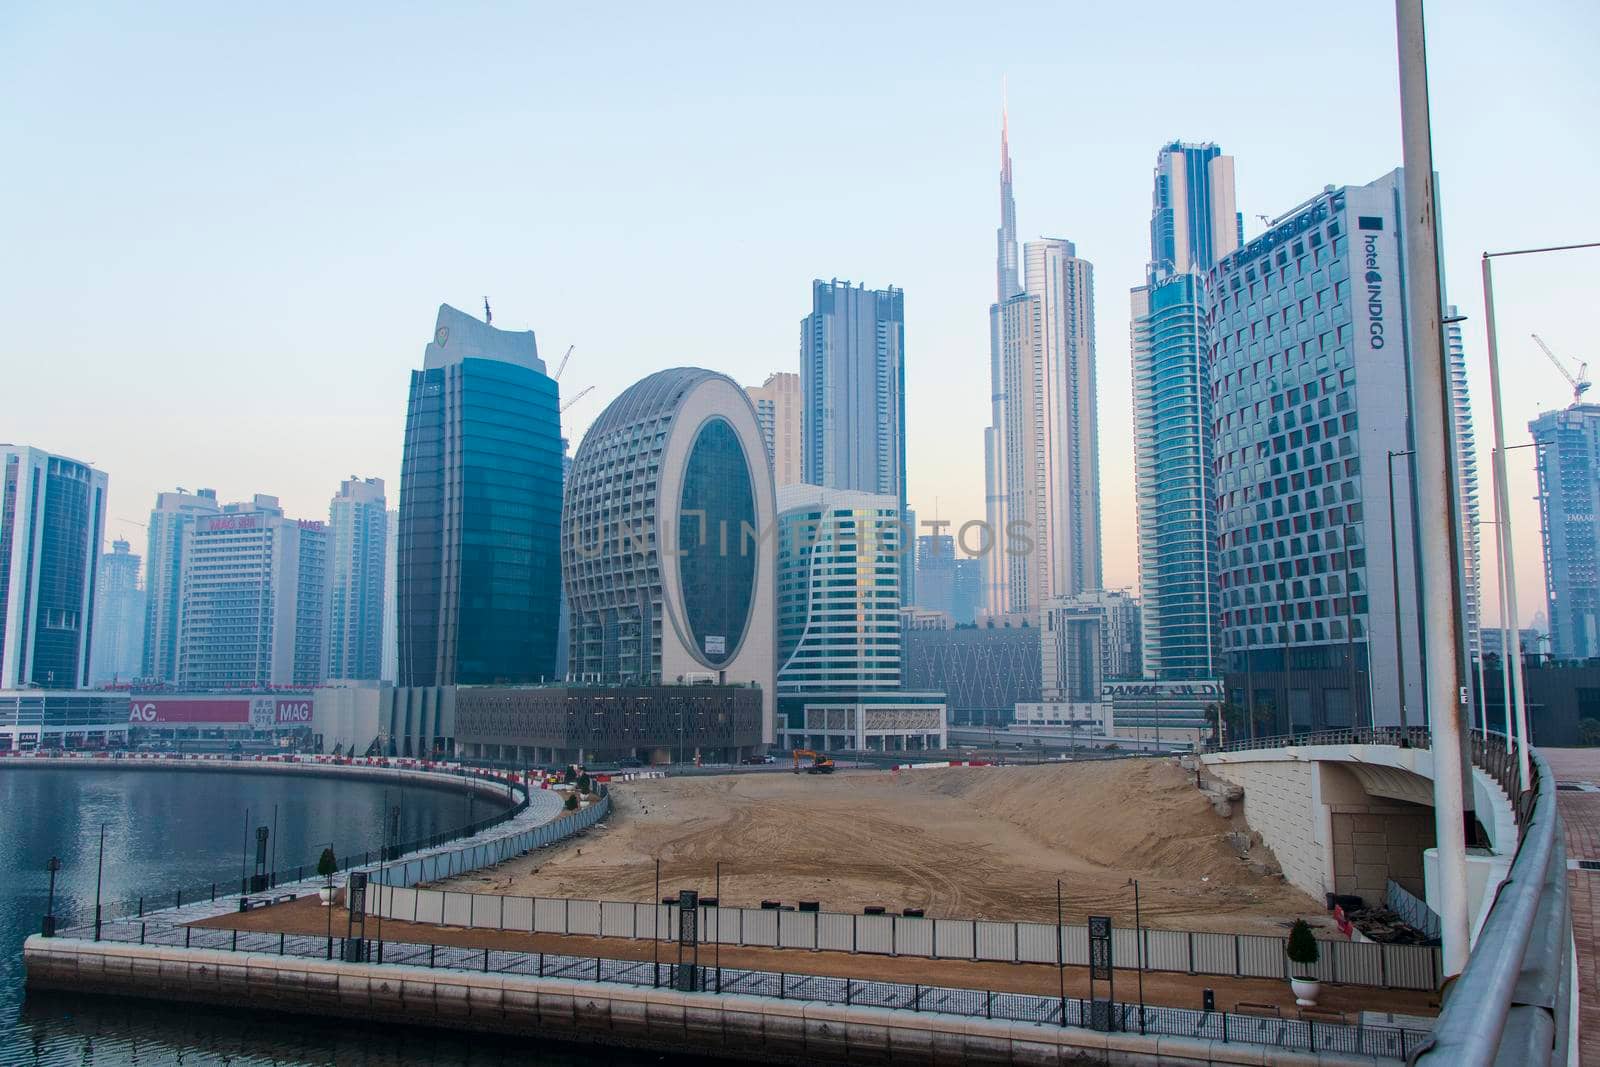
[225, 232]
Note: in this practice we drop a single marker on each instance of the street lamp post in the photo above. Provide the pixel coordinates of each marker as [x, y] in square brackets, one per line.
[1510, 651]
[1138, 936]
[1394, 580]
[99, 877]
[49, 928]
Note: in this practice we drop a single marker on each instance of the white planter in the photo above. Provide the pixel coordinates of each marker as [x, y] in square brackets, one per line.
[1306, 991]
[326, 893]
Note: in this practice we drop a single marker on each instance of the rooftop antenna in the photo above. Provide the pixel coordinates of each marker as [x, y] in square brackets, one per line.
[488, 316]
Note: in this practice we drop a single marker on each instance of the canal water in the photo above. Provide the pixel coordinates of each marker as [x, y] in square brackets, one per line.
[166, 830]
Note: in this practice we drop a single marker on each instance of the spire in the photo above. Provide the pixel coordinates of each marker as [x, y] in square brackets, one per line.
[1007, 283]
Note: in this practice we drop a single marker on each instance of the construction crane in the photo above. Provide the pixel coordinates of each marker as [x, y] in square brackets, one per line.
[563, 365]
[1580, 382]
[585, 391]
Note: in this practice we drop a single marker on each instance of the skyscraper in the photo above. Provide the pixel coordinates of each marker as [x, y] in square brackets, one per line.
[1041, 450]
[390, 668]
[1193, 222]
[358, 521]
[667, 566]
[480, 510]
[1311, 371]
[778, 410]
[118, 617]
[52, 520]
[852, 378]
[1467, 476]
[838, 573]
[170, 520]
[1569, 502]
[252, 609]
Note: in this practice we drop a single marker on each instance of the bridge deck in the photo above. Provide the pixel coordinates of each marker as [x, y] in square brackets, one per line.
[1580, 813]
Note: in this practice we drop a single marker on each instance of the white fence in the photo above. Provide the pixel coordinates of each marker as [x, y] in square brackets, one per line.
[448, 863]
[1190, 952]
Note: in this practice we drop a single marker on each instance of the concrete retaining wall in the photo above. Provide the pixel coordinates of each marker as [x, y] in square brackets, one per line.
[752, 1028]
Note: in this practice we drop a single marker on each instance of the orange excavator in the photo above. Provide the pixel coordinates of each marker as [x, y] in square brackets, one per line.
[819, 764]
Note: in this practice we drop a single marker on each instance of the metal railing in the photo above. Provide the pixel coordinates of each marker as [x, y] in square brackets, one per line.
[225, 885]
[1512, 1003]
[1303, 1034]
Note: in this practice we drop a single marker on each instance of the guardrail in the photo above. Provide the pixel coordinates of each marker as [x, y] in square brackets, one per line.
[1306, 1034]
[1178, 951]
[1512, 1003]
[1413, 911]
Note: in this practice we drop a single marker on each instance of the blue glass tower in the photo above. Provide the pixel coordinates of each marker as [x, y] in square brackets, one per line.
[1193, 222]
[479, 571]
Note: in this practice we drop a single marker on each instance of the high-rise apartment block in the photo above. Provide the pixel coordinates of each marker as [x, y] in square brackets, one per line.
[479, 570]
[170, 521]
[52, 521]
[779, 408]
[390, 668]
[118, 617]
[358, 536]
[1193, 223]
[839, 562]
[1466, 478]
[1041, 450]
[1085, 641]
[1569, 519]
[852, 380]
[1310, 373]
[252, 608]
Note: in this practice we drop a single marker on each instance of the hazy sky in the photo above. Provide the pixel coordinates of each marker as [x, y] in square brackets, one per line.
[224, 232]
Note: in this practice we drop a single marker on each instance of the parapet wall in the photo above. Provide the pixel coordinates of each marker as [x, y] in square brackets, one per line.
[756, 1029]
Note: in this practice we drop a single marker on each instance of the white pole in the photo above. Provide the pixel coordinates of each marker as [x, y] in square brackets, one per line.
[1435, 474]
[1511, 639]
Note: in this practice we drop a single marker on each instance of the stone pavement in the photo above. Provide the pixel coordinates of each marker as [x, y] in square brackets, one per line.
[1580, 812]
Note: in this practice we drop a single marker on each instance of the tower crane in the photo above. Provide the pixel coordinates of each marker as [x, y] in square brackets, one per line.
[585, 391]
[1580, 382]
[563, 364]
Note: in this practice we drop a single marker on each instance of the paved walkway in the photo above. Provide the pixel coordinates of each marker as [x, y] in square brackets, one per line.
[1580, 812]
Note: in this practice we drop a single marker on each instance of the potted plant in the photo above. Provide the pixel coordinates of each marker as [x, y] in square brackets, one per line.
[1303, 953]
[326, 865]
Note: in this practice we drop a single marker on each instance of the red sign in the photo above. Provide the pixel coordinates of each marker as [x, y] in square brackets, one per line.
[159, 711]
[294, 713]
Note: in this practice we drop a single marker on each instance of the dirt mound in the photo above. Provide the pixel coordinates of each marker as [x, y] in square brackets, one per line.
[958, 842]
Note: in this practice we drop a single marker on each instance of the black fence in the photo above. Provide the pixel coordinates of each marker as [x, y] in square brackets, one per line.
[230, 884]
[1305, 1034]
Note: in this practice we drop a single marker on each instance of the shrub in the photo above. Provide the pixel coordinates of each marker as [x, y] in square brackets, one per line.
[1302, 948]
[572, 802]
[327, 864]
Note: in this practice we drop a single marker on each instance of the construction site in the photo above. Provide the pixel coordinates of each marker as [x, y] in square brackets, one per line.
[959, 842]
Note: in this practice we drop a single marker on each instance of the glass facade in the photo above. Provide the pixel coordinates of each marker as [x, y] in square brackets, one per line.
[1569, 499]
[480, 506]
[50, 527]
[1174, 478]
[718, 572]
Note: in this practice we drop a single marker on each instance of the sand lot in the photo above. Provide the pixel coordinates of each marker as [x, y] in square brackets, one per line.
[960, 842]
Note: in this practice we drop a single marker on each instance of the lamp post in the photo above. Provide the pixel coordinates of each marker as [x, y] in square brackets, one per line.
[1394, 580]
[49, 928]
[1502, 507]
[1138, 936]
[99, 876]
[1061, 964]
